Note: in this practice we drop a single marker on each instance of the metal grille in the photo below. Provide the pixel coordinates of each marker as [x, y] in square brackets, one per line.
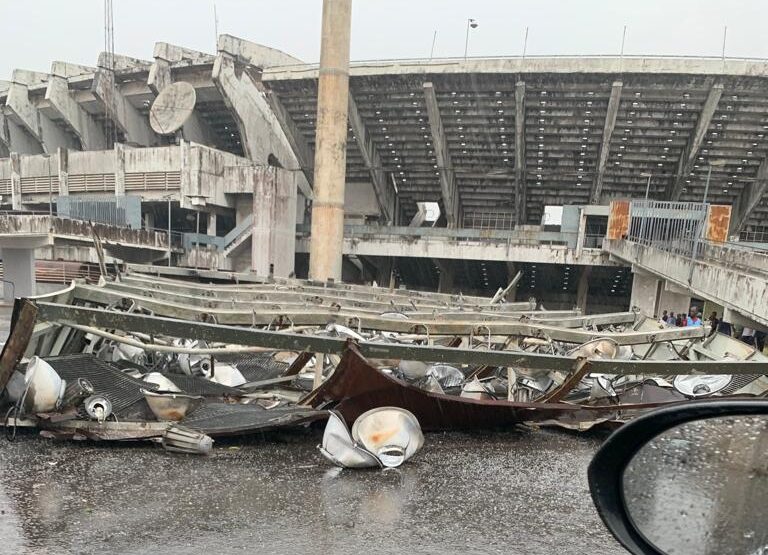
[255, 367]
[122, 211]
[121, 389]
[671, 226]
[200, 386]
[489, 220]
[224, 419]
[5, 186]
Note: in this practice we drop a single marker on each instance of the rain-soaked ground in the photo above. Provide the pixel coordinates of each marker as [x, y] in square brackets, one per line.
[517, 492]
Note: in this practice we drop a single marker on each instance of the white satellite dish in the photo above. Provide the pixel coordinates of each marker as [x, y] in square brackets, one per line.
[172, 108]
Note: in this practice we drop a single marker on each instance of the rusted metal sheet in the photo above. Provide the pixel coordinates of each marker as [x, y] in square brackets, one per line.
[718, 223]
[22, 325]
[356, 387]
[618, 219]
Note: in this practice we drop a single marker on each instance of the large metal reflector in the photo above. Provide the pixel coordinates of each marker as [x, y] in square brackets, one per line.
[172, 108]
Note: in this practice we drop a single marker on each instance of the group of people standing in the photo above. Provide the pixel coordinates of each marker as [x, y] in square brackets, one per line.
[694, 318]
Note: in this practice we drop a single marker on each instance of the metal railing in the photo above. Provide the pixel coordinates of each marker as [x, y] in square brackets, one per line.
[489, 220]
[122, 211]
[754, 237]
[679, 228]
[671, 226]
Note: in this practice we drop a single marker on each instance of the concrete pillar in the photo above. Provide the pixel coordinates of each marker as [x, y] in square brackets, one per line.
[149, 220]
[63, 158]
[583, 289]
[211, 223]
[273, 239]
[645, 293]
[15, 181]
[674, 301]
[19, 269]
[327, 235]
[119, 170]
[582, 232]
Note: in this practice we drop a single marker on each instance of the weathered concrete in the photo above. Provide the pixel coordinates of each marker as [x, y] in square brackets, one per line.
[734, 286]
[751, 196]
[18, 269]
[161, 75]
[448, 189]
[89, 132]
[605, 144]
[325, 258]
[688, 159]
[456, 248]
[26, 114]
[274, 222]
[123, 114]
[385, 194]
[521, 186]
[645, 292]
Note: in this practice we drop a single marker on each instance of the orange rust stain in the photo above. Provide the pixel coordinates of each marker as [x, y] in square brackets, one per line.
[718, 222]
[378, 438]
[618, 221]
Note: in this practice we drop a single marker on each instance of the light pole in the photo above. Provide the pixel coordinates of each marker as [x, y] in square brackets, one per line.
[698, 236]
[168, 198]
[471, 24]
[648, 186]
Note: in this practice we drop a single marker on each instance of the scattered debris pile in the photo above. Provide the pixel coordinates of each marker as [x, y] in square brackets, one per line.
[181, 362]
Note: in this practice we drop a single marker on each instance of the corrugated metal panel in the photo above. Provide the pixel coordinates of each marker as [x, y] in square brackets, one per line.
[718, 222]
[618, 220]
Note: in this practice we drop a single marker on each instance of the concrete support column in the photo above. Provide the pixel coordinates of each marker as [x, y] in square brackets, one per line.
[327, 235]
[15, 181]
[273, 237]
[19, 269]
[119, 170]
[583, 289]
[645, 293]
[582, 231]
[149, 220]
[63, 158]
[211, 223]
[674, 301]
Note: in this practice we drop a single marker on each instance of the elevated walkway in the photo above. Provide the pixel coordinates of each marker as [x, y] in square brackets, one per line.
[685, 247]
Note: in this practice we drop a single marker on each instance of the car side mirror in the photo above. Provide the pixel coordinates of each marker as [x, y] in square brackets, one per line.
[692, 478]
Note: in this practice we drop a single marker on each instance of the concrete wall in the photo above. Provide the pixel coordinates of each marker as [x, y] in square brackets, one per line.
[729, 286]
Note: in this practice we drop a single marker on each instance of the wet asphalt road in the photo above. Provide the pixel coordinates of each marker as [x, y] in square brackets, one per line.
[503, 492]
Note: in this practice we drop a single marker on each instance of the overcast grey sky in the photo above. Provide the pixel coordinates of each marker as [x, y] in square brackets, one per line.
[35, 32]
